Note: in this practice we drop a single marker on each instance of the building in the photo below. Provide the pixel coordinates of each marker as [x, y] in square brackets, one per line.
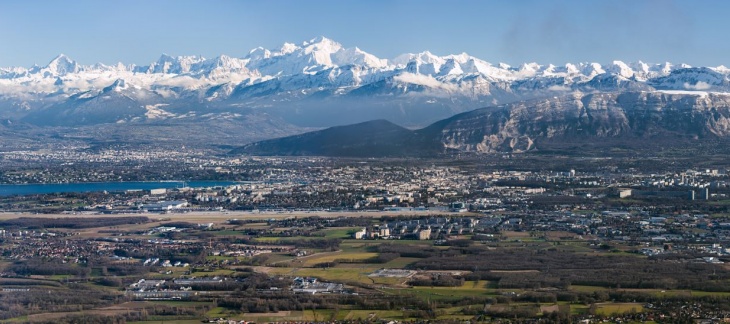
[361, 234]
[165, 205]
[198, 281]
[146, 284]
[424, 234]
[158, 191]
[624, 193]
[705, 193]
[384, 232]
[458, 207]
[312, 286]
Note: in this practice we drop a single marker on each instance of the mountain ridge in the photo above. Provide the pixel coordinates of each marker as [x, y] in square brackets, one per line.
[375, 138]
[638, 119]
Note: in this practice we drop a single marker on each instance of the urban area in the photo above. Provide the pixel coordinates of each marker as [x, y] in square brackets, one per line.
[500, 238]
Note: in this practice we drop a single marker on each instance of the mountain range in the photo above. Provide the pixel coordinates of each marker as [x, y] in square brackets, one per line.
[319, 83]
[627, 119]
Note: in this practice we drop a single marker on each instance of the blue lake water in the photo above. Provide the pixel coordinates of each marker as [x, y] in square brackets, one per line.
[29, 189]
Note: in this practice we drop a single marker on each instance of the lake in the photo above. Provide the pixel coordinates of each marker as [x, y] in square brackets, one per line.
[29, 189]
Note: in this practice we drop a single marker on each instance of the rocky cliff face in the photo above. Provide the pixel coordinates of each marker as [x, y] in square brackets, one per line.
[632, 116]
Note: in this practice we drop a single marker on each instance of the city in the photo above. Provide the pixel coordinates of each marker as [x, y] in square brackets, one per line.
[282, 228]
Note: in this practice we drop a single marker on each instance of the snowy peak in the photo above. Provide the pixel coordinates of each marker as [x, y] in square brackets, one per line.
[118, 86]
[321, 44]
[222, 67]
[319, 51]
[174, 65]
[424, 57]
[60, 66]
[590, 70]
[287, 48]
[227, 62]
[696, 79]
[451, 67]
[620, 68]
[312, 56]
[260, 53]
[356, 56]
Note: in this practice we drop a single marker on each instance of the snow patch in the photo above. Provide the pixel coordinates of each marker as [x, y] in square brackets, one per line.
[685, 92]
[155, 112]
[424, 80]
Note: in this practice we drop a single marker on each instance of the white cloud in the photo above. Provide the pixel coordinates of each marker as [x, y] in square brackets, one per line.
[701, 85]
[558, 88]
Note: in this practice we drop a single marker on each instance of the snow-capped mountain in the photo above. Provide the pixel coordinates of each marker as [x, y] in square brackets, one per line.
[316, 83]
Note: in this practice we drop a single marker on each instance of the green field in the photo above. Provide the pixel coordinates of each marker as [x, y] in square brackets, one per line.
[338, 232]
[278, 257]
[577, 309]
[272, 239]
[180, 303]
[399, 263]
[21, 319]
[256, 226]
[655, 292]
[227, 233]
[335, 256]
[617, 308]
[338, 274]
[468, 289]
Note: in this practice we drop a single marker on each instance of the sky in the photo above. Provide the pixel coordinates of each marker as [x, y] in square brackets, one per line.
[547, 32]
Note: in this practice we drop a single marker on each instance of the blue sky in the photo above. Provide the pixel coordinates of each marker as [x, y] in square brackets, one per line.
[556, 31]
